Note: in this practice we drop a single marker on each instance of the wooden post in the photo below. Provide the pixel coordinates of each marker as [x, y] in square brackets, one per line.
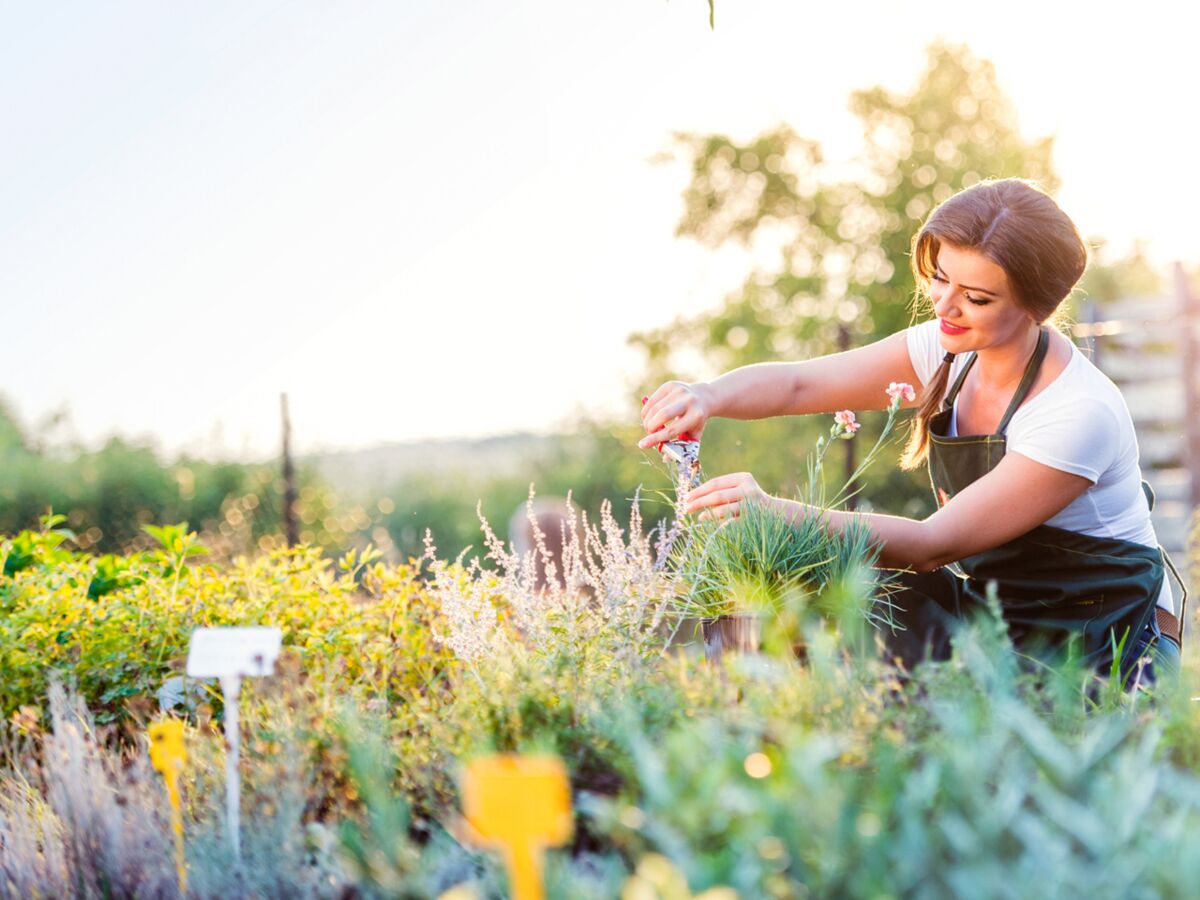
[1189, 309]
[289, 479]
[851, 465]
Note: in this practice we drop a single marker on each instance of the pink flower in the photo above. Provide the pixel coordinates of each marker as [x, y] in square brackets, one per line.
[845, 418]
[901, 389]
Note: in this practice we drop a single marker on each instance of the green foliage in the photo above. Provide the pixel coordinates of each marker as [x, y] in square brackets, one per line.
[118, 628]
[985, 775]
[380, 852]
[107, 495]
[30, 547]
[113, 573]
[966, 791]
[772, 562]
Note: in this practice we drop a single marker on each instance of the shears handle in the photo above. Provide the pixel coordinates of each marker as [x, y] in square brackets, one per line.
[686, 436]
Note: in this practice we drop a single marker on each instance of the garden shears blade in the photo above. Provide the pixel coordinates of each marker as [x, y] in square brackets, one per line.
[684, 454]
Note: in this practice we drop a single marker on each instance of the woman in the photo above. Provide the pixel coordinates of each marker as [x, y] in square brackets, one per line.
[1031, 449]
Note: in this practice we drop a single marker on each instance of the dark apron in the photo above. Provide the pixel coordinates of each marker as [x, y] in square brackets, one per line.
[1051, 583]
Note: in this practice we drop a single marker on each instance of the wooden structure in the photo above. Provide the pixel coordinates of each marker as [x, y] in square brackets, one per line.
[1149, 347]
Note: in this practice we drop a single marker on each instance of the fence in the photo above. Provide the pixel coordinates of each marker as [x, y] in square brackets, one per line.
[1148, 347]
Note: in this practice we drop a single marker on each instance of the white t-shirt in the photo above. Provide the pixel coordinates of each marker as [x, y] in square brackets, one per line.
[1078, 423]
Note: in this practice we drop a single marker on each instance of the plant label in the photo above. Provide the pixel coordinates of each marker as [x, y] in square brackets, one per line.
[167, 755]
[520, 804]
[233, 652]
[167, 751]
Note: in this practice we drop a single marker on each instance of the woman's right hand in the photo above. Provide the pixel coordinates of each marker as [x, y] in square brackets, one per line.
[675, 408]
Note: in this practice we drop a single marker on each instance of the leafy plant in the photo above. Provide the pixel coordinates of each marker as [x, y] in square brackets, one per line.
[758, 562]
[114, 573]
[31, 547]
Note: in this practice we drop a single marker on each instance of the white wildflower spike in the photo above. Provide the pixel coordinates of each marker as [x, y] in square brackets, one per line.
[601, 578]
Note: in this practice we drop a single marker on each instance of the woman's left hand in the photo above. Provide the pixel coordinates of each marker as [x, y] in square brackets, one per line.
[724, 496]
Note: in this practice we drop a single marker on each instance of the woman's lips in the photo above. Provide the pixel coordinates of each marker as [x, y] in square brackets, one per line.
[952, 329]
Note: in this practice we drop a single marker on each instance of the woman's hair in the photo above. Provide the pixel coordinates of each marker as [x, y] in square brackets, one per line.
[1017, 226]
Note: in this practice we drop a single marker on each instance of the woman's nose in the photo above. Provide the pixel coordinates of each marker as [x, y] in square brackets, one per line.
[944, 307]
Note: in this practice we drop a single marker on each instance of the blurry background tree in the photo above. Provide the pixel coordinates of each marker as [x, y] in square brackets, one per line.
[110, 493]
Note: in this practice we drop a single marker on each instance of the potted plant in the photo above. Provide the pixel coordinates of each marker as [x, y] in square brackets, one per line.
[762, 568]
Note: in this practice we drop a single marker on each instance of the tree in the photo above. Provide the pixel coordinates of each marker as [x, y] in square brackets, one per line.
[842, 274]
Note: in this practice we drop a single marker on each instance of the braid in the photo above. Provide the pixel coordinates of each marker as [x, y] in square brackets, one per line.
[931, 398]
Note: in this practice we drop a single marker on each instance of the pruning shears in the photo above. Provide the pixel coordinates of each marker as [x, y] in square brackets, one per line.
[682, 453]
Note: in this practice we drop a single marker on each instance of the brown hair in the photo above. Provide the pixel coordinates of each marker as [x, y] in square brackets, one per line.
[1016, 225]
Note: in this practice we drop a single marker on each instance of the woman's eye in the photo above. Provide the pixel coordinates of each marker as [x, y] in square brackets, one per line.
[937, 277]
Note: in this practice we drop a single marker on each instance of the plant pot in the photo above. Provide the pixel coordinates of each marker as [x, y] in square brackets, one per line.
[736, 633]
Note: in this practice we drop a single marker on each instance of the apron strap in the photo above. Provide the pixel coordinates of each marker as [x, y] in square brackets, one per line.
[1031, 370]
[958, 383]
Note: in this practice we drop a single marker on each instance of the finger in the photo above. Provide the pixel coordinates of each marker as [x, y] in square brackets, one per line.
[713, 484]
[652, 440]
[655, 400]
[700, 490]
[730, 479]
[714, 499]
[664, 431]
[721, 513]
[664, 411]
[658, 394]
[674, 403]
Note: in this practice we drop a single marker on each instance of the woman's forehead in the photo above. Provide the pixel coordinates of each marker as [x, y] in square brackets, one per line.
[971, 267]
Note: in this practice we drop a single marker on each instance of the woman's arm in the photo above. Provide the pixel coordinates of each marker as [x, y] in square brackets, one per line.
[855, 379]
[1015, 497]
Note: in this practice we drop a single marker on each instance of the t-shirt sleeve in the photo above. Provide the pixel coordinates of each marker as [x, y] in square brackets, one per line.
[1082, 437]
[924, 349]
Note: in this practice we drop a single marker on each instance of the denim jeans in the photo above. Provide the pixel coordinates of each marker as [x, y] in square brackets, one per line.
[1161, 652]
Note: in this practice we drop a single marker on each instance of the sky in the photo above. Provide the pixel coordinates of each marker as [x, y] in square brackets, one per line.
[428, 219]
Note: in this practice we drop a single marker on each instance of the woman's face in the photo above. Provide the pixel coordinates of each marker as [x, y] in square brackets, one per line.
[972, 298]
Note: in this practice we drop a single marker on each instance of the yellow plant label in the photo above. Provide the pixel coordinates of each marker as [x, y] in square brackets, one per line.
[167, 755]
[167, 752]
[521, 805]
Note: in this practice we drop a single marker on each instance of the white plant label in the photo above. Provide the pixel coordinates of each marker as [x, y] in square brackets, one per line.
[225, 652]
[232, 654]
